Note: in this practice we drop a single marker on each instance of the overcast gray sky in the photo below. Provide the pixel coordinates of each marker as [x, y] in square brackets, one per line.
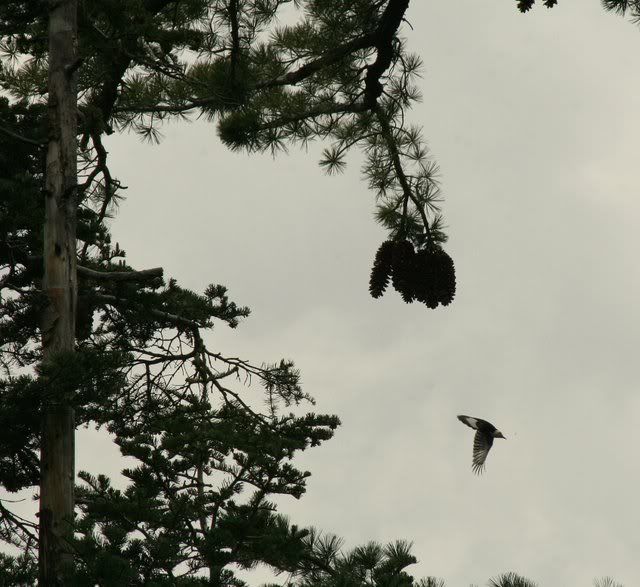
[534, 121]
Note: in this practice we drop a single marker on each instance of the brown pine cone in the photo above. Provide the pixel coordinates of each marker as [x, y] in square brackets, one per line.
[403, 268]
[446, 281]
[381, 270]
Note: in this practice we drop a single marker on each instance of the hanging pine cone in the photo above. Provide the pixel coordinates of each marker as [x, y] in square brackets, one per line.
[426, 277]
[403, 270]
[436, 279]
[446, 277]
[381, 270]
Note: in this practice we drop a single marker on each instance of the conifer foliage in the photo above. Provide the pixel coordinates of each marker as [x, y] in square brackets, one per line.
[624, 7]
[511, 580]
[370, 565]
[526, 5]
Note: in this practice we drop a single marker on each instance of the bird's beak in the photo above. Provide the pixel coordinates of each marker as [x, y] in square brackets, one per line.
[500, 435]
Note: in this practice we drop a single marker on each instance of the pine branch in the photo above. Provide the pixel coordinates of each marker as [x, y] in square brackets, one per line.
[26, 530]
[165, 316]
[143, 275]
[389, 23]
[387, 133]
[118, 62]
[101, 167]
[34, 261]
[322, 110]
[381, 40]
[9, 133]
[168, 108]
[330, 57]
[235, 37]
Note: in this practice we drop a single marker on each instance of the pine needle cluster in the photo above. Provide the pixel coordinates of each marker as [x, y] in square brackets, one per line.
[526, 5]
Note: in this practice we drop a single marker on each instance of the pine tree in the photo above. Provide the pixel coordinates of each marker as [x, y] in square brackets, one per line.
[209, 453]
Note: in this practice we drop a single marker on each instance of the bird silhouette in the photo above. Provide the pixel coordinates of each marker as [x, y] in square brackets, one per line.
[482, 441]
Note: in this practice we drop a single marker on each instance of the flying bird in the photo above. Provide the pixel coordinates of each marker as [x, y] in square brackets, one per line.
[482, 441]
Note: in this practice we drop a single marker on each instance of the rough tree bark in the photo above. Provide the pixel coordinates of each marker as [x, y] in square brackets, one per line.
[60, 288]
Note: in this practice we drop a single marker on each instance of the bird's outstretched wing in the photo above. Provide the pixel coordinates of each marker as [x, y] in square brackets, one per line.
[482, 444]
[469, 421]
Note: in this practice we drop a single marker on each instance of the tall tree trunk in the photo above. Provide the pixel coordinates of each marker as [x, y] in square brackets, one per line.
[59, 285]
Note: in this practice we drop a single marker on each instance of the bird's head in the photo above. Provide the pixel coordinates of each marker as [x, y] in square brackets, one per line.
[498, 434]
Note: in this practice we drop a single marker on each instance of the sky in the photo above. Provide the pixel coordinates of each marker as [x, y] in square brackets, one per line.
[534, 122]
